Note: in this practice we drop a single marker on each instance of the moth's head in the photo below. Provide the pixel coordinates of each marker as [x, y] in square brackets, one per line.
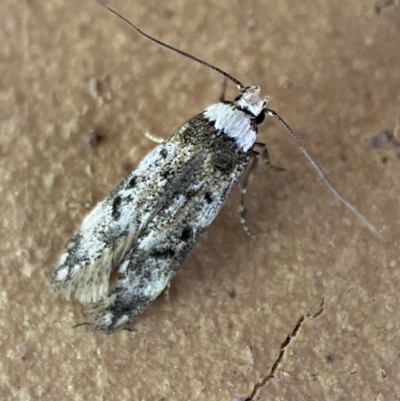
[250, 102]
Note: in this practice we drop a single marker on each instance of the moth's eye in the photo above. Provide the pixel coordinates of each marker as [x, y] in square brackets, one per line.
[260, 118]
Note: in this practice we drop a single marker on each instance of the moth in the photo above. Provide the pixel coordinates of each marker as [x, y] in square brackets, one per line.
[131, 244]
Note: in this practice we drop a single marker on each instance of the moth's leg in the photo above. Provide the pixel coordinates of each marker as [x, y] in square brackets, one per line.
[265, 156]
[154, 138]
[166, 291]
[255, 156]
[223, 93]
[81, 324]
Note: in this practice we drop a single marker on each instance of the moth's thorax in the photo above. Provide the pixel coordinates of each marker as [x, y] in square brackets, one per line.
[237, 119]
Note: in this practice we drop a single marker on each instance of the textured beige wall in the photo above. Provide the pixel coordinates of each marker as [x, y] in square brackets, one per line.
[68, 68]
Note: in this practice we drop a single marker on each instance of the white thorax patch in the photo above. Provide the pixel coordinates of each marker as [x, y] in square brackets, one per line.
[235, 119]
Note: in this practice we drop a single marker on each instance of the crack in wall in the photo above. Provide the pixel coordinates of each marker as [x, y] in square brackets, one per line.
[283, 349]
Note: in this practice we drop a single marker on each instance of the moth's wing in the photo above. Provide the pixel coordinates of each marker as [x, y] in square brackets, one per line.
[161, 248]
[109, 230]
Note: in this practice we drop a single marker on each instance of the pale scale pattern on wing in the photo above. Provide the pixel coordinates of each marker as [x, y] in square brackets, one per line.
[161, 247]
[103, 239]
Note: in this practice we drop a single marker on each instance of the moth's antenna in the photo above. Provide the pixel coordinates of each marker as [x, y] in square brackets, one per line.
[324, 178]
[270, 112]
[181, 52]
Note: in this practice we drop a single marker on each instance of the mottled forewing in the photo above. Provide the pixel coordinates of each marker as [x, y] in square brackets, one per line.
[109, 231]
[156, 253]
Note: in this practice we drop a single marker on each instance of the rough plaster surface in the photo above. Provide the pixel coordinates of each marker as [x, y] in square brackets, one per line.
[69, 70]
